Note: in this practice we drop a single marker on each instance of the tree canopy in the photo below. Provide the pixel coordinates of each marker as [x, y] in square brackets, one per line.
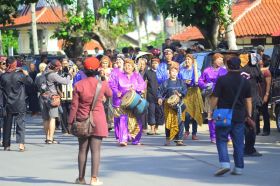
[205, 15]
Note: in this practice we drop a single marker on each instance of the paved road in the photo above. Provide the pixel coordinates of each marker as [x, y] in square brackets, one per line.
[148, 165]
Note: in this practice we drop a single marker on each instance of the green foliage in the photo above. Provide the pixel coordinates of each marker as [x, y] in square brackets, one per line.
[9, 39]
[198, 13]
[76, 26]
[116, 30]
[112, 8]
[157, 43]
[121, 44]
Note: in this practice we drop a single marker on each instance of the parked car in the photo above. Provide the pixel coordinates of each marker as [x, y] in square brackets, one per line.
[275, 85]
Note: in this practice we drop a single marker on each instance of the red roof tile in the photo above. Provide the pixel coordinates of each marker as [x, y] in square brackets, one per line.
[277, 33]
[190, 33]
[252, 18]
[44, 15]
[262, 20]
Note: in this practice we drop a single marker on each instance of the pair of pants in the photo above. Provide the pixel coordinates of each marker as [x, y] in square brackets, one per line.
[250, 136]
[18, 119]
[236, 130]
[155, 114]
[123, 131]
[187, 122]
[66, 110]
[180, 134]
[266, 120]
[1, 127]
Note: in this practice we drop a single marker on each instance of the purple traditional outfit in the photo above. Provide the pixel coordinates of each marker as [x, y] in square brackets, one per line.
[208, 80]
[116, 101]
[128, 127]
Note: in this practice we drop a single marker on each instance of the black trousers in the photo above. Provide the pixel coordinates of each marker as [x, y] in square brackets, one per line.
[266, 120]
[18, 119]
[64, 116]
[250, 135]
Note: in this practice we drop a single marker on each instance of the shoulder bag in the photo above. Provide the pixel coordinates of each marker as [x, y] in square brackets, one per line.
[223, 117]
[84, 128]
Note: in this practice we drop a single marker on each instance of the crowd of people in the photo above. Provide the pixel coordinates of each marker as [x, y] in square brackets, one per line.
[140, 90]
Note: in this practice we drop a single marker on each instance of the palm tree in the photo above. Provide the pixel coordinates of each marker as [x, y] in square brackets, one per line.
[141, 9]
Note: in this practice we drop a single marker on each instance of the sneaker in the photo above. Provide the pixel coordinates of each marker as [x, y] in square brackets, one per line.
[254, 154]
[237, 171]
[213, 141]
[222, 171]
[97, 182]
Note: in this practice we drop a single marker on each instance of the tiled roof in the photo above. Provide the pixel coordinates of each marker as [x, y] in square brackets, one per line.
[252, 18]
[277, 33]
[262, 20]
[88, 46]
[190, 33]
[44, 15]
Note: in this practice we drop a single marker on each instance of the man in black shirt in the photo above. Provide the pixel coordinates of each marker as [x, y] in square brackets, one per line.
[224, 94]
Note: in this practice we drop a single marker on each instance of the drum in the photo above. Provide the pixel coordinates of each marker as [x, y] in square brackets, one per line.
[173, 100]
[134, 102]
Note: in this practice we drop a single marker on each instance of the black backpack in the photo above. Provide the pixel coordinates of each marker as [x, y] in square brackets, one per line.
[41, 82]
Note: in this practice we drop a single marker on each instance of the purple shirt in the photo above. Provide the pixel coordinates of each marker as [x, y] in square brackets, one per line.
[210, 75]
[120, 82]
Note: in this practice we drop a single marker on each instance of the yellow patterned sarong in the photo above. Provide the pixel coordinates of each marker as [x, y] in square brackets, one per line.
[133, 126]
[171, 120]
[194, 103]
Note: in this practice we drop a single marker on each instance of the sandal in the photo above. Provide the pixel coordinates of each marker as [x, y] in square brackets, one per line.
[151, 133]
[167, 143]
[54, 141]
[78, 181]
[180, 143]
[21, 148]
[97, 182]
[123, 144]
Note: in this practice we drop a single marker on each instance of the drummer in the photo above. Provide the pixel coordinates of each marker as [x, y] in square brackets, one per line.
[129, 126]
[174, 128]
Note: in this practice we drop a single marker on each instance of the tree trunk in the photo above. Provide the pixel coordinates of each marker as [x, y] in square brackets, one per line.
[34, 29]
[146, 30]
[97, 4]
[230, 34]
[211, 39]
[1, 44]
[138, 28]
[215, 34]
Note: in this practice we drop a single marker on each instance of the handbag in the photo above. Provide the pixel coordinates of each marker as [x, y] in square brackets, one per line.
[84, 127]
[223, 117]
[54, 100]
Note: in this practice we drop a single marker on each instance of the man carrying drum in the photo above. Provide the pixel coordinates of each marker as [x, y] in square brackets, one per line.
[130, 125]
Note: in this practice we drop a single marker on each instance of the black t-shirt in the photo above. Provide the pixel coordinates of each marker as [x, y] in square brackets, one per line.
[226, 89]
[152, 85]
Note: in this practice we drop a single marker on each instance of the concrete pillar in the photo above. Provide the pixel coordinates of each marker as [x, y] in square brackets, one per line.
[24, 42]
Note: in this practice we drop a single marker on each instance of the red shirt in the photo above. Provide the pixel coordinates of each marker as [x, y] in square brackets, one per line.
[83, 95]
